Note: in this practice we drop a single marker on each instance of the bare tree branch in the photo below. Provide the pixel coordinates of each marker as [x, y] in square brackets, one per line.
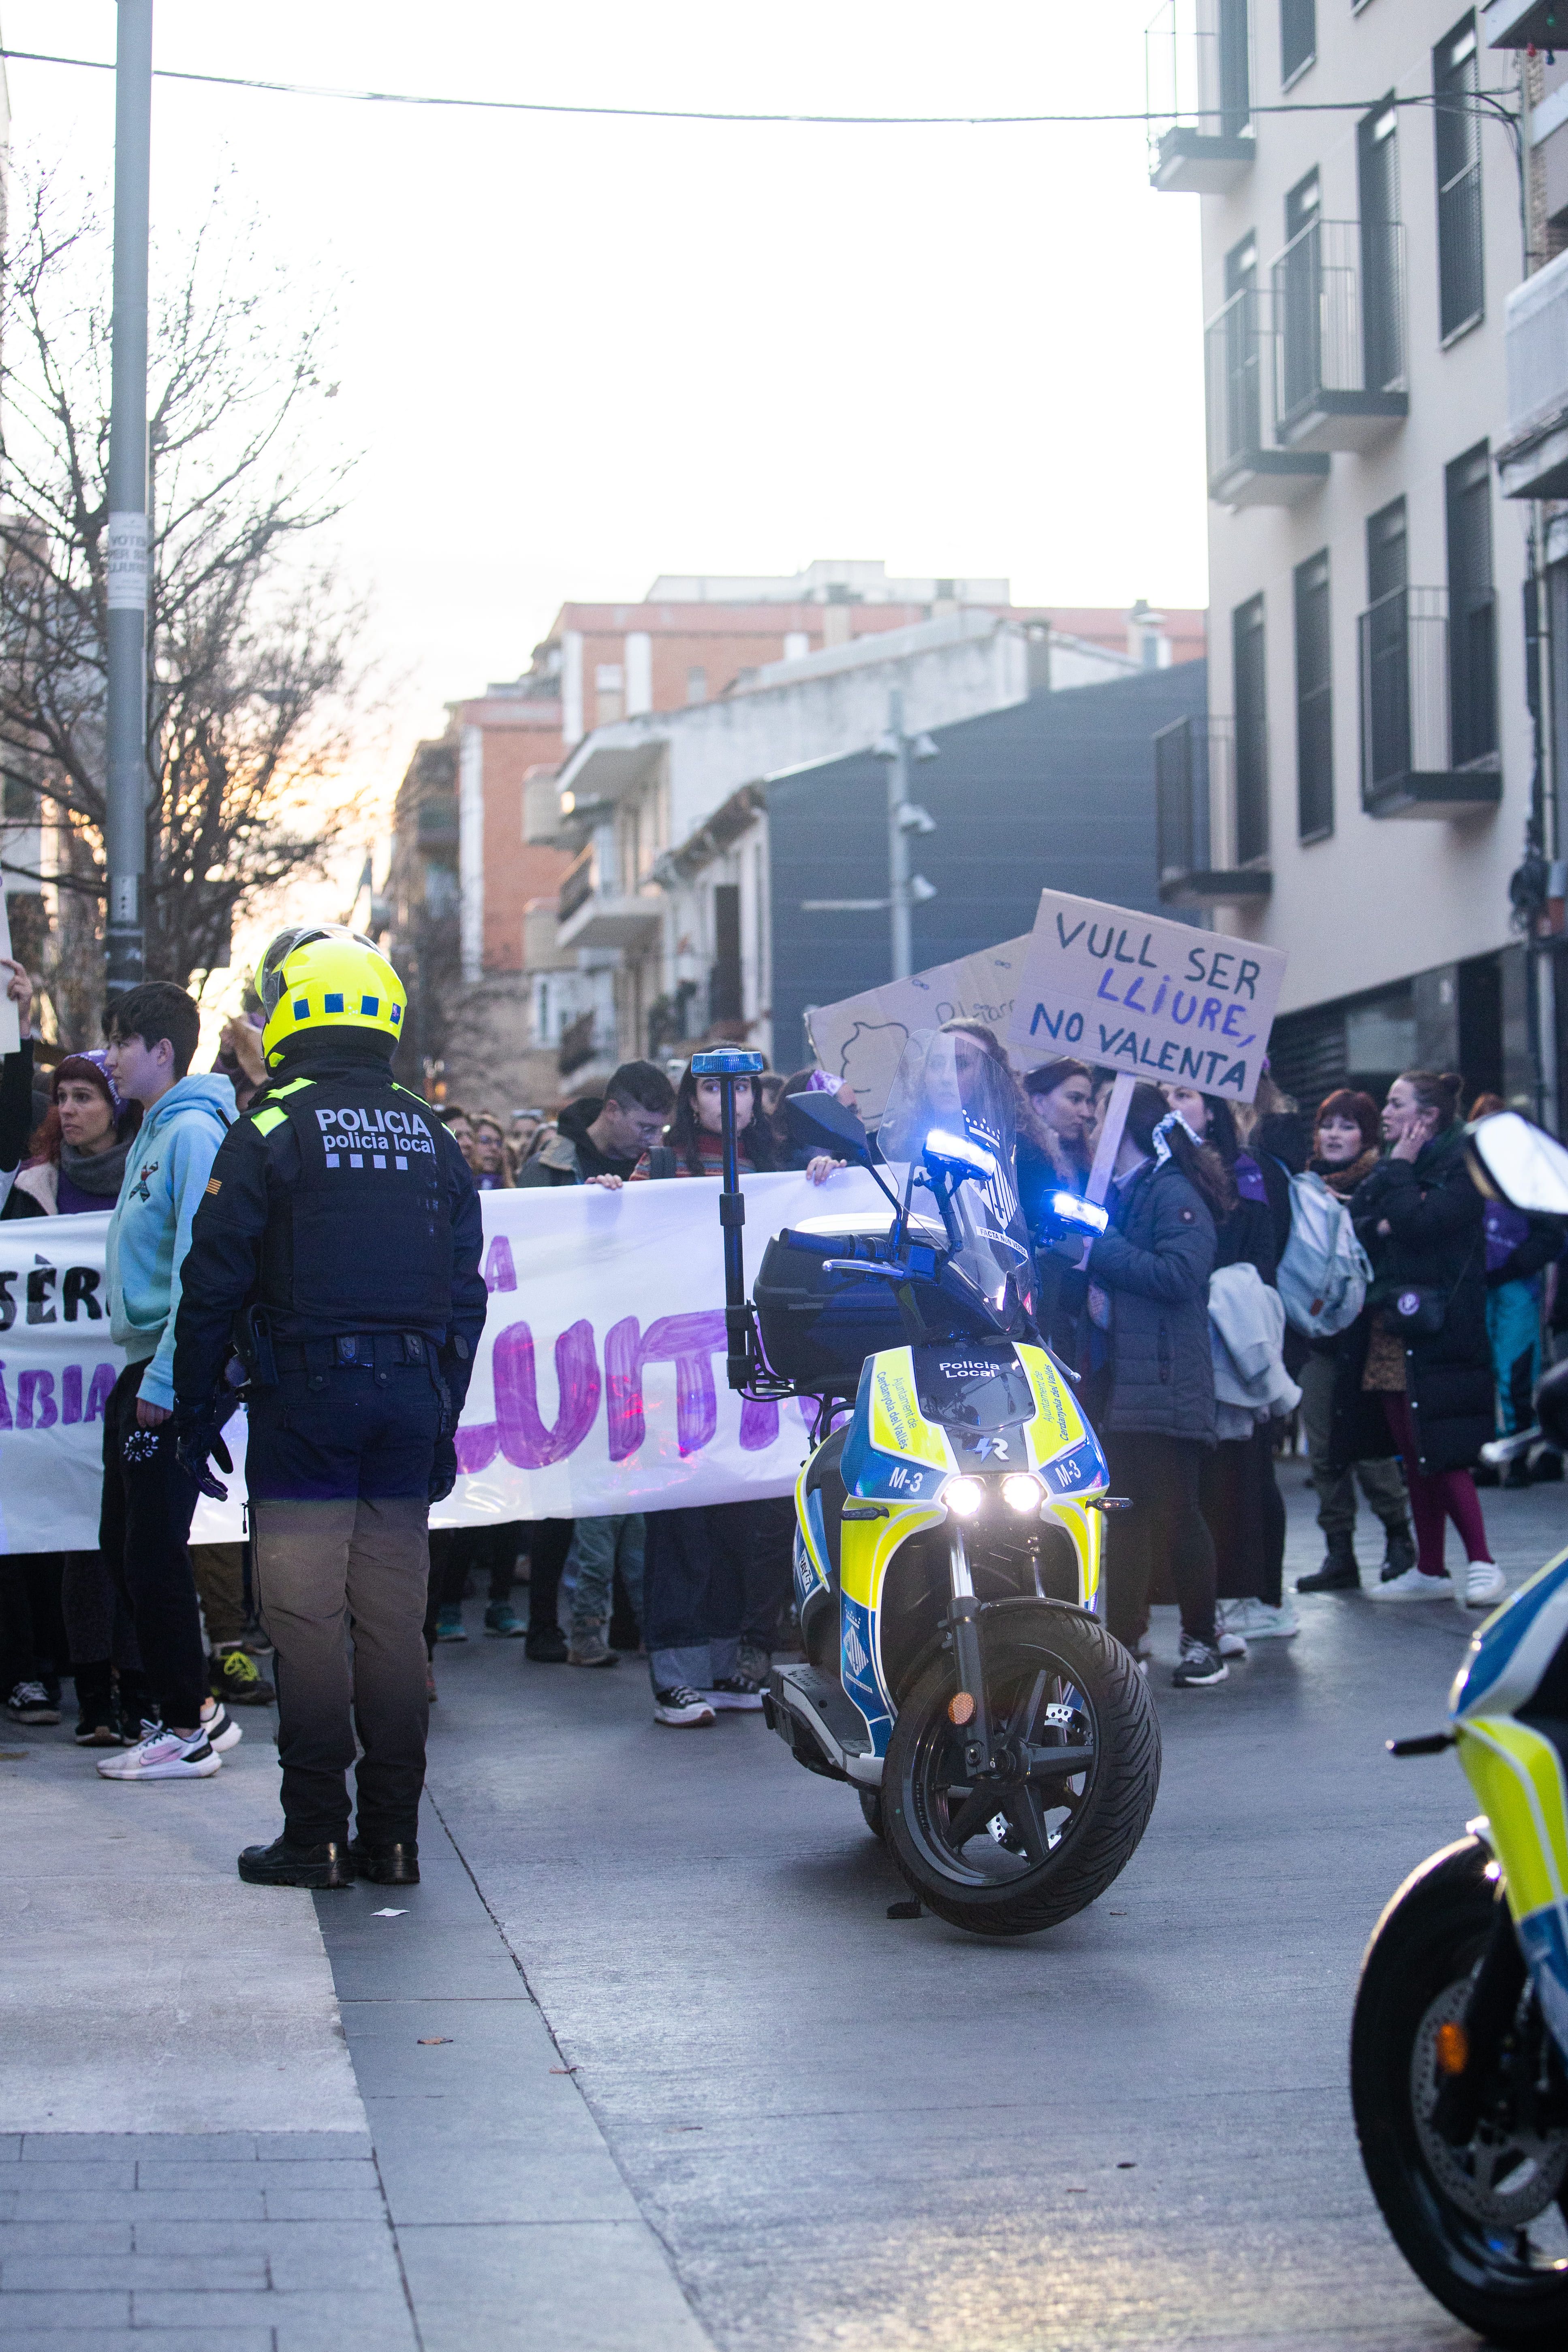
[253, 685]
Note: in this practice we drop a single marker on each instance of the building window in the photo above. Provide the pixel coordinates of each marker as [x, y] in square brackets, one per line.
[1314, 702]
[1461, 273]
[1299, 296]
[609, 693]
[695, 684]
[1382, 250]
[1242, 393]
[724, 988]
[1251, 732]
[1472, 605]
[1235, 68]
[1298, 38]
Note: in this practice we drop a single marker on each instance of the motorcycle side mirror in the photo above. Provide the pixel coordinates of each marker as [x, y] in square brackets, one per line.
[958, 1156]
[822, 1118]
[1512, 1160]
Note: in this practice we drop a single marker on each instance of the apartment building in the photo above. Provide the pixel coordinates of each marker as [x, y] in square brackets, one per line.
[696, 637]
[1361, 791]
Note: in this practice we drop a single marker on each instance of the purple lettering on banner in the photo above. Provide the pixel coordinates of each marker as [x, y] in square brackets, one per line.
[70, 1393]
[623, 1388]
[4, 1401]
[477, 1446]
[758, 1424]
[689, 1342]
[36, 1400]
[524, 1440]
[500, 1271]
[97, 1395]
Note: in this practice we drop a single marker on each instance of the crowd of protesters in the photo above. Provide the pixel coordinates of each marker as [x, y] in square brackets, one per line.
[1173, 1320]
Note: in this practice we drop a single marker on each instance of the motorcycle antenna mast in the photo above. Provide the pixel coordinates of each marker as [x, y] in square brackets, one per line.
[729, 1065]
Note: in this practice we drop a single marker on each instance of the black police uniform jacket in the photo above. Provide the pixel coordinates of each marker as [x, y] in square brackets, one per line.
[339, 1203]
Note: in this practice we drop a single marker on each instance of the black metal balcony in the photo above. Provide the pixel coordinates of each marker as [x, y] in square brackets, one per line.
[1338, 309]
[1201, 823]
[1246, 467]
[576, 886]
[1198, 84]
[1428, 706]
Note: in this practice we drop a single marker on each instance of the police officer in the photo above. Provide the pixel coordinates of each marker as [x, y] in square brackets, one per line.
[336, 1250]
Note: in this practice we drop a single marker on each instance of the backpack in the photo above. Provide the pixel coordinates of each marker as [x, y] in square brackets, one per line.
[1324, 1272]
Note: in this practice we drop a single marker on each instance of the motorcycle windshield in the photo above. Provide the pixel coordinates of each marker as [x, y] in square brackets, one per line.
[949, 1082]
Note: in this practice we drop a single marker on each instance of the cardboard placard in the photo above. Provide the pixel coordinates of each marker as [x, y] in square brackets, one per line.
[1140, 993]
[862, 1038]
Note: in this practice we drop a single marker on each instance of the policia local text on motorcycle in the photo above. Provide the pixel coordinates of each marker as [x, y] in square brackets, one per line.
[333, 1285]
[949, 1522]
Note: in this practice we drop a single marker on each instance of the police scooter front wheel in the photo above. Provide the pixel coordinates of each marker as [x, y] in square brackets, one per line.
[1474, 2195]
[1076, 1768]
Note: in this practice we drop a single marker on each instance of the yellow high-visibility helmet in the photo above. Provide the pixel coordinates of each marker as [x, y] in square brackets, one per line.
[324, 976]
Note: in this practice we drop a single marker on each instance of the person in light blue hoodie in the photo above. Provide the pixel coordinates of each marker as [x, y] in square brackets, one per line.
[148, 1497]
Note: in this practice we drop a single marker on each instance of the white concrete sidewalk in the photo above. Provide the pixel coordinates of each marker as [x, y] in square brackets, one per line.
[145, 1989]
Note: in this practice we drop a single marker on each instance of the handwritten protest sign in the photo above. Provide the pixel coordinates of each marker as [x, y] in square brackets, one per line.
[862, 1037]
[598, 1386]
[1141, 994]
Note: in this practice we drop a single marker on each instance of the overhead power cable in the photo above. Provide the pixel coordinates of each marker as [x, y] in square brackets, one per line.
[703, 114]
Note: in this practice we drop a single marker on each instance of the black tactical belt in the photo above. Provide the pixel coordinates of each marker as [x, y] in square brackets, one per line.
[368, 1351]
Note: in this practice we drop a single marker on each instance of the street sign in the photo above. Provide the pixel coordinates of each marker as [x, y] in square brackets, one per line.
[1141, 994]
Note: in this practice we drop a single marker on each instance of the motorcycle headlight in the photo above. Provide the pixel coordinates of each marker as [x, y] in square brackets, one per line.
[1022, 1491]
[965, 1495]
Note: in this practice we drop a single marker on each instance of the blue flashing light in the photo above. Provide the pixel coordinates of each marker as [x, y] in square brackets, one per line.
[727, 1062]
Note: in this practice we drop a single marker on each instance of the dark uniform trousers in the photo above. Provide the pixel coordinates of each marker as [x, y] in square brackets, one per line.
[338, 1467]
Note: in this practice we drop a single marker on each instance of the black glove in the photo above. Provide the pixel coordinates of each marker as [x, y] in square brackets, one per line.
[192, 1444]
[443, 1469]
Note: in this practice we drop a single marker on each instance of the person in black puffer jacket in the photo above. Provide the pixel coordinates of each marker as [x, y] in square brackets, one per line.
[1149, 1291]
[1240, 1493]
[1421, 1221]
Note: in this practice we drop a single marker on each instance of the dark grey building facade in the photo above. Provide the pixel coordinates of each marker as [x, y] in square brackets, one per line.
[1055, 793]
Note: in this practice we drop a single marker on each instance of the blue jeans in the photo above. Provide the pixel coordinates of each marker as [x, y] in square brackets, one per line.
[599, 1547]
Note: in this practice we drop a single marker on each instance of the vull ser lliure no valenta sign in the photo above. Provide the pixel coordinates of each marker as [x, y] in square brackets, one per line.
[1141, 993]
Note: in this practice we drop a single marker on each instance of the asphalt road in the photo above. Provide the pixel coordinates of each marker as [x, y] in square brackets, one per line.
[853, 2131]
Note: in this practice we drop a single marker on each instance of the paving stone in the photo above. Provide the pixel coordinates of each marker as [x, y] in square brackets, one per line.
[64, 2306]
[195, 2148]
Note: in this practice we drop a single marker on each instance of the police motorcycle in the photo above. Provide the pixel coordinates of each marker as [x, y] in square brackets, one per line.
[950, 1520]
[1459, 2043]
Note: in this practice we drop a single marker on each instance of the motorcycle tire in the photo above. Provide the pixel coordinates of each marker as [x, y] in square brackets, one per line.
[1478, 2264]
[871, 1807]
[1056, 1682]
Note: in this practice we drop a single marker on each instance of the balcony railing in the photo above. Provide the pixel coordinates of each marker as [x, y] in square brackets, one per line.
[1200, 821]
[577, 885]
[1338, 309]
[1532, 462]
[1428, 732]
[1198, 81]
[1246, 467]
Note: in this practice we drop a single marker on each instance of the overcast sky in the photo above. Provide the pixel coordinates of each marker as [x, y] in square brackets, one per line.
[576, 353]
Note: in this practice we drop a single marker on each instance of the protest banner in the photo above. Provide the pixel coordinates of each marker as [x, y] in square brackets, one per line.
[1145, 996]
[862, 1037]
[598, 1387]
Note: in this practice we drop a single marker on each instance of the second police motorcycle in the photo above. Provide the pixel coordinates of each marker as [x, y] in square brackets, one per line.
[950, 1520]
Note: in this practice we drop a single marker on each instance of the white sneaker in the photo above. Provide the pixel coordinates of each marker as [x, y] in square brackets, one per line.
[1258, 1621]
[223, 1732]
[1230, 1643]
[164, 1757]
[1479, 1584]
[1412, 1586]
[682, 1709]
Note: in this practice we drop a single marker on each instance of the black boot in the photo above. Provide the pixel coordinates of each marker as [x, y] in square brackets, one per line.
[96, 1723]
[1400, 1554]
[282, 1864]
[395, 1862]
[1338, 1572]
